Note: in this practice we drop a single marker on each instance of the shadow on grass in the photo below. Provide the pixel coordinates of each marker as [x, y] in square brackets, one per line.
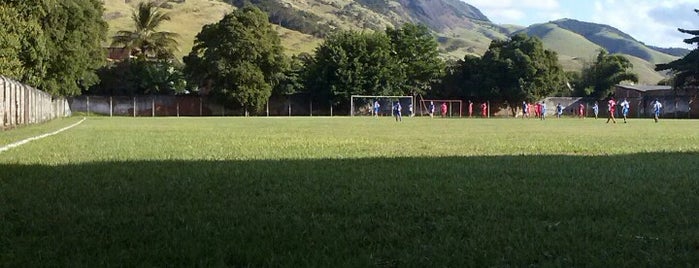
[624, 210]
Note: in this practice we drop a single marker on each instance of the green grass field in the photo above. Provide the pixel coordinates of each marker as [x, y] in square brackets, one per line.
[351, 192]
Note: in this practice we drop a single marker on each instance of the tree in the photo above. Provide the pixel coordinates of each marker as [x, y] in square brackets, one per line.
[515, 70]
[418, 57]
[145, 41]
[686, 69]
[140, 77]
[53, 45]
[350, 63]
[598, 79]
[238, 59]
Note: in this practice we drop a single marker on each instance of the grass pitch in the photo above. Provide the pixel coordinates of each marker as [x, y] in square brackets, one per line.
[356, 192]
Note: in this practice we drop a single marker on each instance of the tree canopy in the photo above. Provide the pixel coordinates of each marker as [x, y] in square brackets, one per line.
[238, 59]
[685, 69]
[598, 79]
[511, 71]
[418, 57]
[402, 61]
[52, 45]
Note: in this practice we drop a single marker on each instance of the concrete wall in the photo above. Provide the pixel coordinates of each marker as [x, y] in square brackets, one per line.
[23, 105]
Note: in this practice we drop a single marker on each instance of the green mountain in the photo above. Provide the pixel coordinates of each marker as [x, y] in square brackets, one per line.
[577, 43]
[460, 28]
[614, 40]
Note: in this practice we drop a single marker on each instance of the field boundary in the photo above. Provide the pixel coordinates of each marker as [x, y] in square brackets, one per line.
[27, 140]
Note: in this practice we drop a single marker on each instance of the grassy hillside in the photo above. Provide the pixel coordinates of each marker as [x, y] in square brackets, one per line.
[187, 18]
[613, 40]
[645, 70]
[460, 31]
[563, 41]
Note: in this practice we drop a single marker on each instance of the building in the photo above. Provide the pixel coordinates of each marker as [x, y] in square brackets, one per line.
[117, 54]
[676, 103]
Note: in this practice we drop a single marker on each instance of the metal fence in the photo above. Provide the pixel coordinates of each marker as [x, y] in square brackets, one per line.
[23, 105]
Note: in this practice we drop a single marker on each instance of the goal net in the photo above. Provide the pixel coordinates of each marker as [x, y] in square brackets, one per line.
[361, 105]
[442, 108]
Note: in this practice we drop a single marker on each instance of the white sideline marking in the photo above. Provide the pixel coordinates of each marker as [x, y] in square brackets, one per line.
[27, 140]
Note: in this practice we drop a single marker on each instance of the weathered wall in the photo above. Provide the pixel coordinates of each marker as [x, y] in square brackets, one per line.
[23, 105]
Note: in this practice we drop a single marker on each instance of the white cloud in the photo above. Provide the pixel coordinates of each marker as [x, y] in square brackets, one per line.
[514, 11]
[652, 22]
[516, 4]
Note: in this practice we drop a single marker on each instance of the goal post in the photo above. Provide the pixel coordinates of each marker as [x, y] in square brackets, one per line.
[363, 105]
[454, 108]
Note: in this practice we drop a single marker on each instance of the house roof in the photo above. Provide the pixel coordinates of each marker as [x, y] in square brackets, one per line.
[645, 88]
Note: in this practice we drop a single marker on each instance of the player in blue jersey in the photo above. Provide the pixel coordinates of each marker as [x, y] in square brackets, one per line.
[625, 109]
[396, 111]
[377, 106]
[595, 109]
[543, 110]
[559, 110]
[656, 109]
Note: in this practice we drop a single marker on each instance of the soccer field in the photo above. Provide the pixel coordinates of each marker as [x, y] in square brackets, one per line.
[354, 192]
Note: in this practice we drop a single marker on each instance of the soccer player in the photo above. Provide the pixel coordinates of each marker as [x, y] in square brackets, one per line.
[656, 109]
[525, 109]
[470, 108]
[559, 110]
[581, 110]
[396, 111]
[484, 109]
[611, 108]
[543, 110]
[625, 109]
[410, 110]
[376, 108]
[444, 109]
[595, 109]
[537, 110]
[431, 111]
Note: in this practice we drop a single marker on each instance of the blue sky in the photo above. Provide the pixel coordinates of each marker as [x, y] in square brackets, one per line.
[653, 22]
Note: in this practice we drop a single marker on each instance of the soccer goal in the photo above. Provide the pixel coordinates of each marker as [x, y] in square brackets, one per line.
[444, 108]
[363, 105]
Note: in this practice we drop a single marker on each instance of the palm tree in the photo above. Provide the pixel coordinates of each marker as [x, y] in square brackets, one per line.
[146, 42]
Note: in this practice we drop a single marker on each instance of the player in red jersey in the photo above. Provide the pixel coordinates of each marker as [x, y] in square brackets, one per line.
[611, 108]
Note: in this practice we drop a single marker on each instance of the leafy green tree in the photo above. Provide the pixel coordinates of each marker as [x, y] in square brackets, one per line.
[238, 59]
[12, 30]
[349, 63]
[418, 57]
[686, 69]
[58, 43]
[290, 80]
[140, 77]
[145, 41]
[516, 70]
[598, 79]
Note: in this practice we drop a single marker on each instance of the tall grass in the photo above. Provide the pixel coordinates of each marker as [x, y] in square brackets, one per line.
[353, 192]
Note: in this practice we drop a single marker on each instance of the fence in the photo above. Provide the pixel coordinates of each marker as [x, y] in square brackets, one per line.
[23, 105]
[188, 105]
[642, 107]
[301, 105]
